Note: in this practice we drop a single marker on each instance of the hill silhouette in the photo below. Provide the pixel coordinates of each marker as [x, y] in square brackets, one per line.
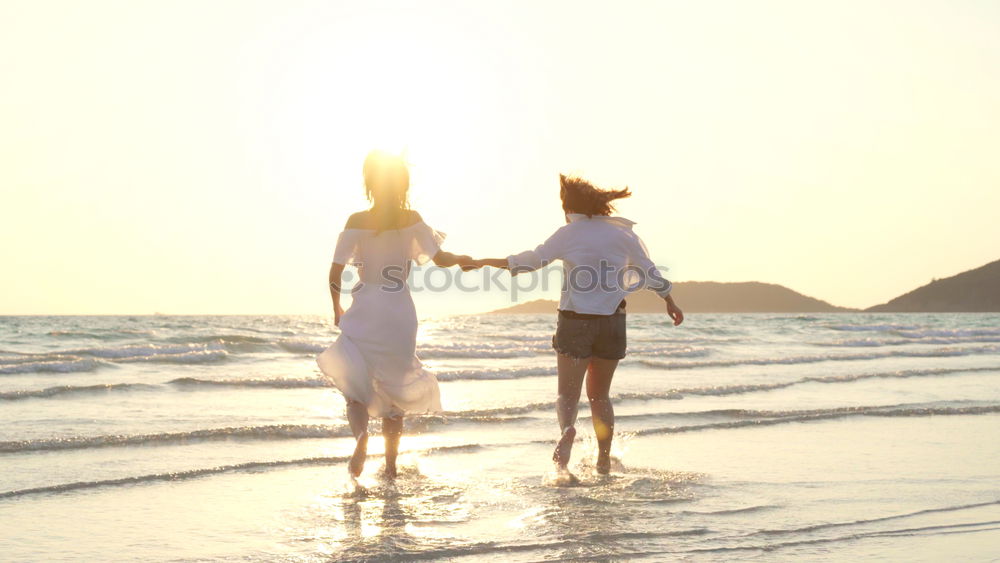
[974, 291]
[709, 297]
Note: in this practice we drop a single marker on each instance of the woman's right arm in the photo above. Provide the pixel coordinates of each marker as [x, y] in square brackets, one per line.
[336, 275]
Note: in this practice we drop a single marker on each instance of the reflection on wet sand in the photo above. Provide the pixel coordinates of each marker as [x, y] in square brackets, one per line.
[431, 515]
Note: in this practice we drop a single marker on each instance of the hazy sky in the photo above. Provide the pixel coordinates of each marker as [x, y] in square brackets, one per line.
[201, 156]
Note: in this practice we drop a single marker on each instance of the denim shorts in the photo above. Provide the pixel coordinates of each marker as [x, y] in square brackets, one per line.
[583, 336]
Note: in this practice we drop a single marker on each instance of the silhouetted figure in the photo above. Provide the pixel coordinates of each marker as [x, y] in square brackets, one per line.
[603, 261]
[373, 362]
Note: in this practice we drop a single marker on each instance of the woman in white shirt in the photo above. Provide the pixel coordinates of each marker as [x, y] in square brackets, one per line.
[603, 261]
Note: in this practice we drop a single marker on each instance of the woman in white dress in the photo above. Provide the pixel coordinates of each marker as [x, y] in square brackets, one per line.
[373, 361]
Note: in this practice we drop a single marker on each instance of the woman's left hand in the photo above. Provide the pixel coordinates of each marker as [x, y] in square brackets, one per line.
[674, 312]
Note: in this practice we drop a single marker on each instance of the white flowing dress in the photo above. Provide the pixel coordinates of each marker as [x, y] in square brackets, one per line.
[374, 359]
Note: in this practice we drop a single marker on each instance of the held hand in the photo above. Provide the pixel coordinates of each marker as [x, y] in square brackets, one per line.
[675, 312]
[468, 264]
[493, 263]
[338, 312]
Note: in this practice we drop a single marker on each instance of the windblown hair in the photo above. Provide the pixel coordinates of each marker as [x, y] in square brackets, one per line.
[387, 185]
[580, 196]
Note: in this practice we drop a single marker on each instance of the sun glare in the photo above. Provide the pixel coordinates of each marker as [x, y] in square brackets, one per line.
[404, 94]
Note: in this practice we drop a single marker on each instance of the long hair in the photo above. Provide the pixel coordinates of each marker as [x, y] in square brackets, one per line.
[387, 186]
[580, 196]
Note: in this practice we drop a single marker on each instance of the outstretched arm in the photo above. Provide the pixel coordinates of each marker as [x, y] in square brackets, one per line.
[494, 262]
[447, 259]
[529, 260]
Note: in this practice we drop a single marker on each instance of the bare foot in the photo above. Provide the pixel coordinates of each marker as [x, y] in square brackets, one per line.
[389, 473]
[565, 479]
[564, 447]
[357, 463]
[603, 465]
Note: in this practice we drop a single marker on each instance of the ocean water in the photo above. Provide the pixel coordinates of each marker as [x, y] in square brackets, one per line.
[770, 437]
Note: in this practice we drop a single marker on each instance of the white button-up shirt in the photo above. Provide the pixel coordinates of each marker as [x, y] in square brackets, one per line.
[603, 261]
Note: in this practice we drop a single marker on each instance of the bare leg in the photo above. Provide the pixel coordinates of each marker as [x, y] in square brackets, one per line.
[392, 430]
[357, 417]
[601, 411]
[571, 373]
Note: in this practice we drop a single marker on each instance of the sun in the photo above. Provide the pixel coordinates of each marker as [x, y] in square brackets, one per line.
[400, 91]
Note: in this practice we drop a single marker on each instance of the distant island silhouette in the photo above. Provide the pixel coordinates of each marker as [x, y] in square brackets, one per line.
[710, 297]
[976, 290]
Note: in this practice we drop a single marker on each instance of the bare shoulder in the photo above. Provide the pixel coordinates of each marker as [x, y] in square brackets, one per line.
[412, 217]
[367, 220]
[359, 220]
